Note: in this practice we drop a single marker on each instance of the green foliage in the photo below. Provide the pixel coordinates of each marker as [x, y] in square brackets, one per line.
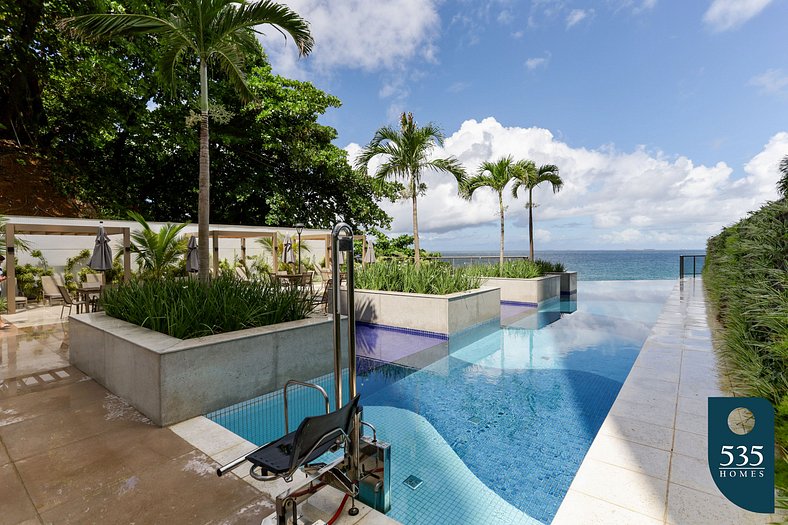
[158, 252]
[406, 153]
[782, 184]
[68, 272]
[116, 140]
[746, 277]
[521, 269]
[400, 247]
[547, 266]
[28, 277]
[3, 304]
[427, 278]
[187, 308]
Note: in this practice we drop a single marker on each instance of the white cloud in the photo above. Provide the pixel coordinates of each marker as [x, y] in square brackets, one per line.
[357, 34]
[637, 198]
[728, 14]
[537, 62]
[773, 81]
[576, 16]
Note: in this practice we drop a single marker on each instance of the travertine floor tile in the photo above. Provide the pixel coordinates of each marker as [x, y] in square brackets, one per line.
[16, 506]
[581, 509]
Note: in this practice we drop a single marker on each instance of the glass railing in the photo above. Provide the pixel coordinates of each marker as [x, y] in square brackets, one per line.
[691, 265]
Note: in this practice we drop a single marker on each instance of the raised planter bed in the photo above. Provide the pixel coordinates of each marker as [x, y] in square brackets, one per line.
[568, 282]
[170, 380]
[529, 291]
[441, 314]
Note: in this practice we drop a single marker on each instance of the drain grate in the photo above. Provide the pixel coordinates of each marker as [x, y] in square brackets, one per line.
[413, 482]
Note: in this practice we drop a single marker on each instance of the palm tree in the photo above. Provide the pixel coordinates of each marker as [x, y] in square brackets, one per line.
[407, 153]
[782, 184]
[494, 175]
[217, 32]
[529, 177]
[157, 251]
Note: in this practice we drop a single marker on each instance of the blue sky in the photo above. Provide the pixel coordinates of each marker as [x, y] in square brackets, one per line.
[666, 118]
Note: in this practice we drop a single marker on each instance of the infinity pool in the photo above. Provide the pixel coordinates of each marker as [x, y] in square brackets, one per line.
[495, 421]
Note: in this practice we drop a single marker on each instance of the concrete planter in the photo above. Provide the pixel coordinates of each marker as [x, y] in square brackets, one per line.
[170, 380]
[442, 314]
[533, 291]
[568, 282]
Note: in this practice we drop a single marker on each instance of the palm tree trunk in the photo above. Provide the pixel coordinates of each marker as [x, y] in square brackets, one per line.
[204, 202]
[416, 246]
[500, 204]
[531, 222]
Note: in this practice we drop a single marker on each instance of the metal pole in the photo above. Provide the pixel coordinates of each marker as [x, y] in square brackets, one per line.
[693, 265]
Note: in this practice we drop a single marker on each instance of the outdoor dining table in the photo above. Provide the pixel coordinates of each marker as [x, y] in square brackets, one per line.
[295, 279]
[86, 293]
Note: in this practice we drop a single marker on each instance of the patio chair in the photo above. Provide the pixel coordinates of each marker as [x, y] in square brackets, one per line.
[313, 438]
[94, 279]
[68, 301]
[51, 293]
[20, 300]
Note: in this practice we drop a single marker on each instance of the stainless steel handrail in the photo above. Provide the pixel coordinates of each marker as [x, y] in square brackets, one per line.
[309, 385]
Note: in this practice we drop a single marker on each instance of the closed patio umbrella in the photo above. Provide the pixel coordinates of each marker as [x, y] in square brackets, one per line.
[192, 260]
[369, 257]
[287, 250]
[102, 254]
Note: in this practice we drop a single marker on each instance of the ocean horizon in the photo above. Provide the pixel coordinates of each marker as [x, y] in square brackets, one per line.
[607, 265]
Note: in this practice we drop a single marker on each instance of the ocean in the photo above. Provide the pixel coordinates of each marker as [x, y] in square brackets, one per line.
[610, 265]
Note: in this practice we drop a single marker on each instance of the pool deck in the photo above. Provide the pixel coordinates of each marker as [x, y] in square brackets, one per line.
[648, 464]
[71, 452]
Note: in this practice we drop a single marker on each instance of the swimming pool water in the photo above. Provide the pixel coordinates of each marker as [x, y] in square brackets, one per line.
[495, 421]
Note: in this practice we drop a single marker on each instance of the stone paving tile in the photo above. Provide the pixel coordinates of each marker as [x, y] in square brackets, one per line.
[86, 466]
[622, 487]
[14, 502]
[578, 508]
[692, 445]
[632, 456]
[181, 490]
[638, 431]
[688, 506]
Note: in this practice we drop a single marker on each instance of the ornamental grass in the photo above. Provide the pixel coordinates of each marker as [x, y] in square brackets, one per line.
[187, 308]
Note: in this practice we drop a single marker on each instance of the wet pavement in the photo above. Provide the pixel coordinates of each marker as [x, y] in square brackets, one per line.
[72, 452]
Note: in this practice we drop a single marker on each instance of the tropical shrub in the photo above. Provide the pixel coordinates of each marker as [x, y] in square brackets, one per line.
[427, 278]
[746, 277]
[186, 308]
[521, 269]
[159, 253]
[547, 266]
[68, 272]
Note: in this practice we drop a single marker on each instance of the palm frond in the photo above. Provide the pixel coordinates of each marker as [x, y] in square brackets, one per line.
[265, 12]
[113, 25]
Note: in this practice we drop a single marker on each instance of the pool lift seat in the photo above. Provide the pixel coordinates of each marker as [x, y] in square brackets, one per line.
[364, 468]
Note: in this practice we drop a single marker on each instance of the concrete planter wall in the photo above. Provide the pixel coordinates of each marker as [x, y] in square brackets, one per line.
[170, 380]
[443, 314]
[532, 291]
[568, 282]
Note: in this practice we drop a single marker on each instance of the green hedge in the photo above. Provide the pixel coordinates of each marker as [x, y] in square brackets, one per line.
[187, 308]
[522, 269]
[428, 278]
[746, 277]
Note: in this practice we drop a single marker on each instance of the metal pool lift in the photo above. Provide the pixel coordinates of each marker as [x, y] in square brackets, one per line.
[363, 470]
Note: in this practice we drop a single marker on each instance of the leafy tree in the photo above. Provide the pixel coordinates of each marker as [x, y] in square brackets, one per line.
[529, 177]
[782, 184]
[157, 252]
[406, 154]
[215, 31]
[494, 175]
[400, 247]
